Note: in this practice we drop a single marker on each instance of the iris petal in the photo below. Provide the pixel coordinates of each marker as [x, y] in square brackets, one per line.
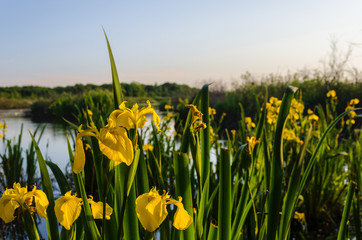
[115, 144]
[151, 210]
[97, 209]
[67, 209]
[79, 156]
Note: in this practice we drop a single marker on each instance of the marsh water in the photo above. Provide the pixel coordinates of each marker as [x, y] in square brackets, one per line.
[53, 143]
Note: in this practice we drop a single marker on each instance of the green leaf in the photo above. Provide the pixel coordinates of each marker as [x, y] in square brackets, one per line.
[347, 206]
[59, 176]
[183, 188]
[29, 224]
[224, 213]
[205, 134]
[133, 170]
[52, 223]
[276, 176]
[117, 90]
[291, 196]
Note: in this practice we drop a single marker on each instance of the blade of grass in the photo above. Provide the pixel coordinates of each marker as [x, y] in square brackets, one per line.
[117, 90]
[29, 224]
[224, 213]
[183, 188]
[291, 194]
[205, 134]
[59, 176]
[347, 206]
[317, 149]
[52, 223]
[276, 176]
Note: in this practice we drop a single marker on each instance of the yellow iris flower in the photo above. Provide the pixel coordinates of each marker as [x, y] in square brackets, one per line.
[113, 142]
[147, 147]
[252, 141]
[300, 217]
[168, 107]
[196, 121]
[68, 207]
[249, 122]
[151, 211]
[312, 116]
[97, 209]
[169, 116]
[18, 196]
[331, 94]
[133, 117]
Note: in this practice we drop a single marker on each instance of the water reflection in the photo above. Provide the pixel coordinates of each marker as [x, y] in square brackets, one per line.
[53, 143]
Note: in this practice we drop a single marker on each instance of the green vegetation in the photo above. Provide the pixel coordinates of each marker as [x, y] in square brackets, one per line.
[252, 94]
[287, 170]
[49, 104]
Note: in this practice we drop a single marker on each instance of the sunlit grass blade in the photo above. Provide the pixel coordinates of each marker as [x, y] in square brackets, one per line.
[205, 134]
[261, 123]
[356, 215]
[318, 147]
[357, 158]
[276, 176]
[342, 232]
[130, 222]
[291, 194]
[240, 208]
[242, 124]
[52, 223]
[212, 232]
[240, 222]
[183, 188]
[133, 170]
[202, 213]
[117, 90]
[224, 211]
[141, 175]
[31, 161]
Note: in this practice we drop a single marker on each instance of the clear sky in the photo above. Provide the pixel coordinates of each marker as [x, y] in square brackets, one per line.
[58, 43]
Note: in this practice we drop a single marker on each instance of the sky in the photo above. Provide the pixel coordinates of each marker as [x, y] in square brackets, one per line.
[59, 43]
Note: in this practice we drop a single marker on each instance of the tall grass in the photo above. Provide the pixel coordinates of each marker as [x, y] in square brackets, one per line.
[274, 177]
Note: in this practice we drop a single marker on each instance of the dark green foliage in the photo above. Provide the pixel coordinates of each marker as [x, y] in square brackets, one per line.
[313, 93]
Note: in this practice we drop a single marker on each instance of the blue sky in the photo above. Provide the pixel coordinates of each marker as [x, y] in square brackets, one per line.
[58, 43]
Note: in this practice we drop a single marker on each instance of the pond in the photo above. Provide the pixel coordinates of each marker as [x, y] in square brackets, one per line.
[53, 143]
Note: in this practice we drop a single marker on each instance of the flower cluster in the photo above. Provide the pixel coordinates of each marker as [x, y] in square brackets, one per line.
[249, 123]
[311, 116]
[272, 108]
[18, 196]
[4, 127]
[332, 95]
[196, 120]
[113, 139]
[252, 141]
[290, 135]
[296, 110]
[352, 114]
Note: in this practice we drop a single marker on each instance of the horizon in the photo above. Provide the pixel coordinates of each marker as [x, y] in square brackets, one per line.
[62, 44]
